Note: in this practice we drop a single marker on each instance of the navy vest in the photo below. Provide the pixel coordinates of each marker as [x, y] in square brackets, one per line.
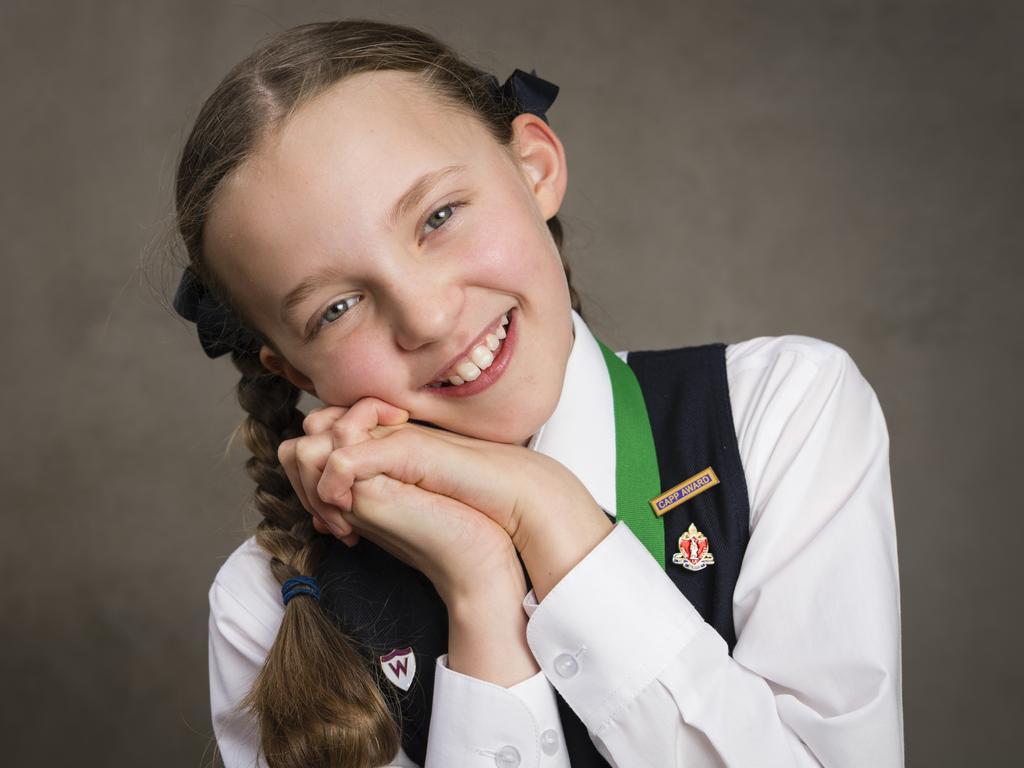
[384, 604]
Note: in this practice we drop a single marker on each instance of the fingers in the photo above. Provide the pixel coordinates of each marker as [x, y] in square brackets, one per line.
[367, 414]
[303, 458]
[311, 454]
[320, 419]
[344, 426]
[300, 458]
[475, 476]
[322, 527]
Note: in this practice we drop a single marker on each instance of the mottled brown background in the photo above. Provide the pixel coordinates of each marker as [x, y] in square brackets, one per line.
[847, 170]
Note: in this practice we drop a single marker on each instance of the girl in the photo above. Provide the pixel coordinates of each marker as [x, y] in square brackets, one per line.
[498, 542]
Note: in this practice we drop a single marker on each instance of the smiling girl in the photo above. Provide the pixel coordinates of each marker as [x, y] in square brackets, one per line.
[499, 542]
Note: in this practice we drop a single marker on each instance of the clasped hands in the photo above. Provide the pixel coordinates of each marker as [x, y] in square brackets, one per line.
[455, 507]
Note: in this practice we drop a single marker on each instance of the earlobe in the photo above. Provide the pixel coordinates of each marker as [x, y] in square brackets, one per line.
[270, 360]
[541, 158]
[281, 367]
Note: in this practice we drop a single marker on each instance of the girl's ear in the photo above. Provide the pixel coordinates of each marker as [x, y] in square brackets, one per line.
[541, 159]
[274, 363]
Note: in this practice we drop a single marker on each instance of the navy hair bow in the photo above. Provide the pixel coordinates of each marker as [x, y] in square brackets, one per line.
[527, 93]
[219, 328]
[220, 331]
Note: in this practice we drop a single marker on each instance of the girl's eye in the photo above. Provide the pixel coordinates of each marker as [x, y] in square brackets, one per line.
[436, 220]
[442, 214]
[329, 316]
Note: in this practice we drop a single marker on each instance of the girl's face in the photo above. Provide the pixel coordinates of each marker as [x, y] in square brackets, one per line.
[362, 304]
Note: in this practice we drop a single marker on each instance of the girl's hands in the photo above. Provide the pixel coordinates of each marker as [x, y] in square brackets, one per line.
[464, 553]
[303, 458]
[467, 556]
[543, 508]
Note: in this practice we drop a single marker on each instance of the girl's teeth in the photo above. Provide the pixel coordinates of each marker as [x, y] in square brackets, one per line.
[467, 370]
[480, 357]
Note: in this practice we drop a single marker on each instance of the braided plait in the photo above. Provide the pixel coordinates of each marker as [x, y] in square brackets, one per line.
[273, 417]
[311, 659]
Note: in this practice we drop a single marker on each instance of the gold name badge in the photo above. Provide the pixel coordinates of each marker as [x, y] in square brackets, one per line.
[685, 491]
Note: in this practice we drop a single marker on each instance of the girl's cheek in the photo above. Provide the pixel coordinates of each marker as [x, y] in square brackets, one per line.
[499, 258]
[356, 383]
[348, 380]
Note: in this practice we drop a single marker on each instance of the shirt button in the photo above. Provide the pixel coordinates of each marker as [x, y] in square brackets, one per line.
[507, 757]
[565, 665]
[549, 742]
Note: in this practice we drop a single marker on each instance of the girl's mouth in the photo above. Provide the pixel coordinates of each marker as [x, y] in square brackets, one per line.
[483, 377]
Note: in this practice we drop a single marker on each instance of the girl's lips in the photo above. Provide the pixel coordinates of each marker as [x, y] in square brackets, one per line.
[480, 340]
[494, 371]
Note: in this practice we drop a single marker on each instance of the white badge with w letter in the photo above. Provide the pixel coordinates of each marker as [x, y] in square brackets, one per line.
[399, 667]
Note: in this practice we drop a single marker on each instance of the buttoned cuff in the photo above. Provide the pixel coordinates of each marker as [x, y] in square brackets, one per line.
[609, 626]
[478, 724]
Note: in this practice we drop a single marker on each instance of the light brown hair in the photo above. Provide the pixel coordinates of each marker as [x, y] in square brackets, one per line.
[317, 700]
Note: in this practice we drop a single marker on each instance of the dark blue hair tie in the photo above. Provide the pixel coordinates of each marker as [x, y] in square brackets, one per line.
[300, 585]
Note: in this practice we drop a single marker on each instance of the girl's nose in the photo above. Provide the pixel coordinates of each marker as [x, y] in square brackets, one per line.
[425, 312]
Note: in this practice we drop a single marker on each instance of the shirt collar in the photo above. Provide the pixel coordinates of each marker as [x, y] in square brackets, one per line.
[580, 434]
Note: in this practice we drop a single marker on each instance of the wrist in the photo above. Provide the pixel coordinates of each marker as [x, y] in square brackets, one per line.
[555, 547]
[560, 524]
[487, 638]
[502, 581]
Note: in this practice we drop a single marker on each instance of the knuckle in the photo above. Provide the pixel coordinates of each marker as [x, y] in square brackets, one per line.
[327, 494]
[284, 451]
[304, 452]
[320, 419]
[343, 432]
[340, 461]
[309, 422]
[340, 427]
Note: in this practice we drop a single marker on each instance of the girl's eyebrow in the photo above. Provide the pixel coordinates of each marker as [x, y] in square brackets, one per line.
[410, 199]
[418, 191]
[305, 287]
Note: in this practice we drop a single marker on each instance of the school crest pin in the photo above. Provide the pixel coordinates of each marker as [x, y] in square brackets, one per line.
[399, 667]
[693, 552]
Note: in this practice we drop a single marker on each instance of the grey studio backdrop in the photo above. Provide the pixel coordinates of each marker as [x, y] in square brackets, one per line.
[846, 170]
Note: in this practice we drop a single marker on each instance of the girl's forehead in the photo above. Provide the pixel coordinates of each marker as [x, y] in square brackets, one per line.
[358, 146]
[369, 125]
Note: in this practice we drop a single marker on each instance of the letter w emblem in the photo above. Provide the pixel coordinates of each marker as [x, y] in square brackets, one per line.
[399, 667]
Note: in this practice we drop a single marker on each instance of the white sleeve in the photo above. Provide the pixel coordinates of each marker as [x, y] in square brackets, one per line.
[473, 722]
[814, 679]
[242, 631]
[238, 645]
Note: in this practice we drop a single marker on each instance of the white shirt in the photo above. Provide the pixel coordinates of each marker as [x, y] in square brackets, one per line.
[815, 676]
